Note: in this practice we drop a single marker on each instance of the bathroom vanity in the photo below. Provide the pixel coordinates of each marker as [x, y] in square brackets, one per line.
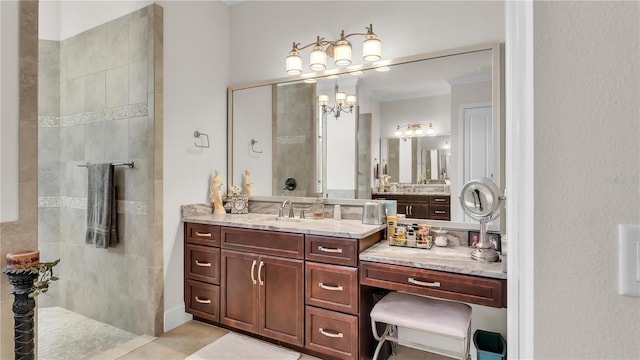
[309, 284]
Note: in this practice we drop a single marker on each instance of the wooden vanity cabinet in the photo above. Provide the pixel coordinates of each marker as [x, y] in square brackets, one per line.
[202, 270]
[262, 283]
[433, 207]
[333, 298]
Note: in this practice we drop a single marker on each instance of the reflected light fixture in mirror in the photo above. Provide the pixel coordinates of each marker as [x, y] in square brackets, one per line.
[340, 50]
[414, 130]
[344, 102]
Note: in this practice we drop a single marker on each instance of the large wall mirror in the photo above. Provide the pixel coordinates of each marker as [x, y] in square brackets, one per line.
[277, 129]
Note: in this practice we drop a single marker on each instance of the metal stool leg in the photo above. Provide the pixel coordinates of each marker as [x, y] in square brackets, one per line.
[381, 338]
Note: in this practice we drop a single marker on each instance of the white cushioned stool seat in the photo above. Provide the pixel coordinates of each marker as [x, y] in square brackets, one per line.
[440, 317]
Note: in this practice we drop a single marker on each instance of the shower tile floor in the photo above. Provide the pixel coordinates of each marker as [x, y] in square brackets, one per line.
[63, 334]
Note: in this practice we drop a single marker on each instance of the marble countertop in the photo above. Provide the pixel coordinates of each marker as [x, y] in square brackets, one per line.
[353, 229]
[454, 259]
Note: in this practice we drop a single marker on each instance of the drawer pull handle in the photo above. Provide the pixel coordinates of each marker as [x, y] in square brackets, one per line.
[253, 268]
[440, 211]
[203, 301]
[203, 264]
[203, 234]
[260, 273]
[440, 200]
[330, 334]
[329, 287]
[330, 250]
[423, 283]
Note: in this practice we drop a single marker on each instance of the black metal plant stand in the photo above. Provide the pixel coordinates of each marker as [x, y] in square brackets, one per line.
[23, 311]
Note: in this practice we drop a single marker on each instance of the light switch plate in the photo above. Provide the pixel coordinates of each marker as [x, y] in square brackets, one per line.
[629, 259]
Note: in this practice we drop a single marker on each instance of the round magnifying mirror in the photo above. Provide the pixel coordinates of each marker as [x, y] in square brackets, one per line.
[482, 200]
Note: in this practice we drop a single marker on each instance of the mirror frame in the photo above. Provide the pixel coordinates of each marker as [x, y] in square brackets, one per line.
[497, 89]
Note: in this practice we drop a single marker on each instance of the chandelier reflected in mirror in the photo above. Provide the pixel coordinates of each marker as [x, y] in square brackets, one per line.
[414, 130]
[344, 102]
[339, 50]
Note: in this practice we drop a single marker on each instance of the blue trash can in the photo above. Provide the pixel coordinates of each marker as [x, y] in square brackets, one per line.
[490, 345]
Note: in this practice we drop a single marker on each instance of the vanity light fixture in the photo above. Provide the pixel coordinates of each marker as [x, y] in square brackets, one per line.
[414, 130]
[339, 50]
[344, 102]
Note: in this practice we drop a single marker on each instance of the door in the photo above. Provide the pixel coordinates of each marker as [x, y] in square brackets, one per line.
[239, 290]
[281, 299]
[477, 145]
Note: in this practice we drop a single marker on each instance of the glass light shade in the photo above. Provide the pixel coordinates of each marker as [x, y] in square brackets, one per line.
[397, 132]
[351, 100]
[371, 49]
[341, 97]
[342, 53]
[419, 131]
[323, 100]
[318, 59]
[407, 133]
[310, 81]
[294, 64]
[382, 68]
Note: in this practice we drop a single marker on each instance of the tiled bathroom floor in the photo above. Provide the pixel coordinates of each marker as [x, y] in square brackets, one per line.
[63, 334]
[67, 335]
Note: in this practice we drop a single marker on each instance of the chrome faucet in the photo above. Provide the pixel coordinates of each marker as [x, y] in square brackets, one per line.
[284, 203]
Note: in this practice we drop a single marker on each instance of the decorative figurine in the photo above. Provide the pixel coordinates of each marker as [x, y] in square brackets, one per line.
[216, 197]
[247, 183]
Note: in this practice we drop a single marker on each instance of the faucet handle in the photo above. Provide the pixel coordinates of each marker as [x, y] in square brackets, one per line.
[280, 212]
[302, 214]
[291, 210]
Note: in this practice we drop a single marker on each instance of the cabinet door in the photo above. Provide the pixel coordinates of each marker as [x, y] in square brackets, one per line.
[239, 290]
[403, 208]
[281, 299]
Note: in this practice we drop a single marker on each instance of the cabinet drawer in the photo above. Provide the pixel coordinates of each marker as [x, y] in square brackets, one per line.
[466, 288]
[263, 242]
[332, 287]
[440, 212]
[331, 333]
[332, 250]
[202, 300]
[202, 234]
[440, 200]
[203, 263]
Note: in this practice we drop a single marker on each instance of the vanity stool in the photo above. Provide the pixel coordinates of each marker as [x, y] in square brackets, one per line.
[438, 326]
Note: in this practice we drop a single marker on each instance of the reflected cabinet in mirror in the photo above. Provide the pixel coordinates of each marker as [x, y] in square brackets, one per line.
[426, 125]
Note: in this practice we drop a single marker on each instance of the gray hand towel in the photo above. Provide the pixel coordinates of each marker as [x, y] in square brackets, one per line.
[101, 207]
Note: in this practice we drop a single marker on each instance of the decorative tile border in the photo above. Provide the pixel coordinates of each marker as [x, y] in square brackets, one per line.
[48, 121]
[123, 206]
[291, 140]
[49, 202]
[115, 113]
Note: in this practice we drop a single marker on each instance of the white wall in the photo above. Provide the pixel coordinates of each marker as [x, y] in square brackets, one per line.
[9, 111]
[414, 27]
[196, 44]
[587, 176]
[432, 109]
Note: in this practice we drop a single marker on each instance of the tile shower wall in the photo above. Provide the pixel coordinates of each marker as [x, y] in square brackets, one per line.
[294, 122]
[97, 105]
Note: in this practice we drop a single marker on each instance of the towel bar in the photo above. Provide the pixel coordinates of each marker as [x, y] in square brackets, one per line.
[129, 164]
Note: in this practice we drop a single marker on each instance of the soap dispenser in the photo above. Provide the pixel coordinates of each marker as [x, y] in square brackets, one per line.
[317, 208]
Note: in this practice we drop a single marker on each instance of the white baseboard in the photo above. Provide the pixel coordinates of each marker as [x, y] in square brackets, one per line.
[175, 316]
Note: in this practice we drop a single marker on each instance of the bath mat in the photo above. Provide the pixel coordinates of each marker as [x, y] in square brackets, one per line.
[234, 346]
